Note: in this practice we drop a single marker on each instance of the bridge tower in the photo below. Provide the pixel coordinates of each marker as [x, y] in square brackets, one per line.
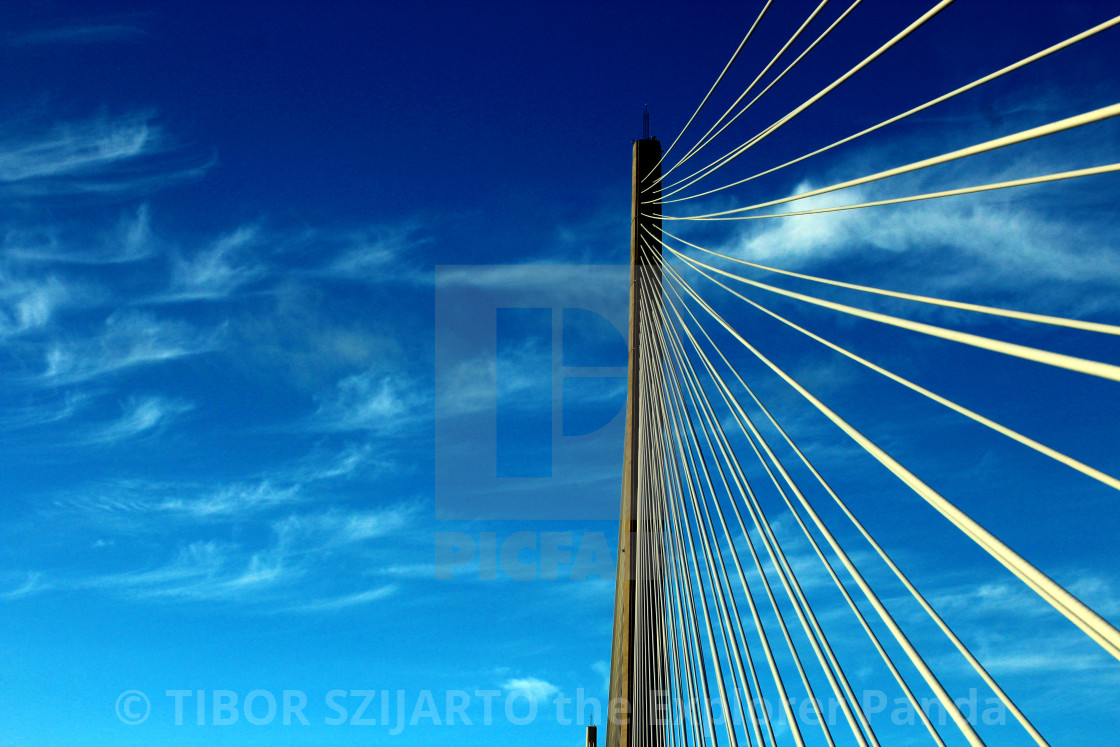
[637, 661]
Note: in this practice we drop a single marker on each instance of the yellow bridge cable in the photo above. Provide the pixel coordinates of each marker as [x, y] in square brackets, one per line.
[1065, 459]
[900, 636]
[731, 642]
[789, 581]
[705, 139]
[1099, 629]
[1062, 125]
[1060, 176]
[690, 475]
[678, 417]
[750, 598]
[701, 403]
[705, 171]
[740, 416]
[1058, 360]
[1058, 456]
[933, 102]
[1107, 329]
[786, 703]
[708, 95]
[651, 440]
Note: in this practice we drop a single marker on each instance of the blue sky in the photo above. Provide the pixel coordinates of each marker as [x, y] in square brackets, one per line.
[289, 295]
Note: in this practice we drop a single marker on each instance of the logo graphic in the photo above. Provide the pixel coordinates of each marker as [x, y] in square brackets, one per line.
[133, 707]
[530, 390]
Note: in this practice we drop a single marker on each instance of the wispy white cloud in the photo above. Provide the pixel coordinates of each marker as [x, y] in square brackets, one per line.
[346, 601]
[55, 409]
[127, 340]
[1014, 598]
[473, 384]
[136, 507]
[131, 240]
[1009, 241]
[301, 338]
[217, 271]
[585, 285]
[210, 571]
[29, 304]
[150, 505]
[275, 571]
[1102, 593]
[145, 505]
[234, 502]
[91, 33]
[408, 570]
[141, 415]
[1023, 243]
[373, 255]
[338, 528]
[204, 571]
[469, 386]
[78, 148]
[1054, 658]
[351, 460]
[370, 400]
[194, 561]
[1015, 634]
[537, 690]
[99, 155]
[134, 235]
[32, 584]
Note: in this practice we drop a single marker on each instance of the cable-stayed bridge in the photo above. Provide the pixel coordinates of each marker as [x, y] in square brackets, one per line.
[755, 601]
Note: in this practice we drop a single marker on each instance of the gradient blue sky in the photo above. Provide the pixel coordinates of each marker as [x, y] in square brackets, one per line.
[251, 256]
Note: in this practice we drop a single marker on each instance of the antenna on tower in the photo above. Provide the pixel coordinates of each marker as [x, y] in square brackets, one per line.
[645, 124]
